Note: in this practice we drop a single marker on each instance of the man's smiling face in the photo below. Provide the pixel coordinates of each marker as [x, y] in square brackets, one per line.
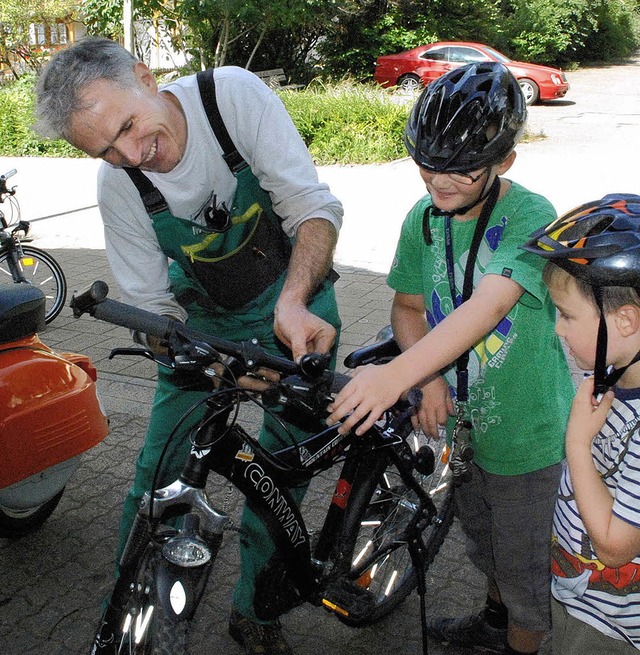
[135, 126]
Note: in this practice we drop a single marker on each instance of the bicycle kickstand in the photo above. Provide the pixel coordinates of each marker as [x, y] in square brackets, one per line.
[417, 551]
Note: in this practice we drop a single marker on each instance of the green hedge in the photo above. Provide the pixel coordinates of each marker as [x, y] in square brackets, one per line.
[17, 139]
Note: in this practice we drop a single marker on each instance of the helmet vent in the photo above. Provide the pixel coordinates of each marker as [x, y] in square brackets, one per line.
[587, 226]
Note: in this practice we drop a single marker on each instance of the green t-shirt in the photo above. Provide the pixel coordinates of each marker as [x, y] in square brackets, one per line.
[520, 387]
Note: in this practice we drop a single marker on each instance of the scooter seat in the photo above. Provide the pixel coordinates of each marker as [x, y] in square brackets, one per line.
[21, 311]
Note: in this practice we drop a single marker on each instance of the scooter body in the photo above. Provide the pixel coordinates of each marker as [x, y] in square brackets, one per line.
[49, 414]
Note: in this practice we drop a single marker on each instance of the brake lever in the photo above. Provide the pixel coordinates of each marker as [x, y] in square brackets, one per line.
[162, 360]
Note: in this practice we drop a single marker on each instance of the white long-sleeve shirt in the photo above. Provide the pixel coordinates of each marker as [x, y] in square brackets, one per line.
[264, 135]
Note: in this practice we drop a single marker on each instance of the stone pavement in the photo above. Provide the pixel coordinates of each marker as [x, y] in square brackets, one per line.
[53, 582]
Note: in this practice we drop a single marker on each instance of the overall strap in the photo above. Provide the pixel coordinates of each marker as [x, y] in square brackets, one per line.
[153, 200]
[207, 88]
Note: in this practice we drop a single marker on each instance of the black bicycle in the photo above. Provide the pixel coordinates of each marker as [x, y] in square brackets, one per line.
[389, 514]
[20, 263]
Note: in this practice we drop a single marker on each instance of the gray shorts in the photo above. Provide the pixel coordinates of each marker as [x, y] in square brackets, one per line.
[507, 520]
[571, 636]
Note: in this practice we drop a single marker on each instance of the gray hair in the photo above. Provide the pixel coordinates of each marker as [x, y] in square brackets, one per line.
[62, 81]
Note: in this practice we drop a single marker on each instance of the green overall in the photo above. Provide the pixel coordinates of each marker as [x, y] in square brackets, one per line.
[192, 249]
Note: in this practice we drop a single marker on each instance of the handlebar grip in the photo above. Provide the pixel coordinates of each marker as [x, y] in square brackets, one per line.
[94, 301]
[8, 174]
[118, 313]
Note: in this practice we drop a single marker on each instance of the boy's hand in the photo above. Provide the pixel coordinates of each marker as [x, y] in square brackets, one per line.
[366, 396]
[436, 408]
[587, 416]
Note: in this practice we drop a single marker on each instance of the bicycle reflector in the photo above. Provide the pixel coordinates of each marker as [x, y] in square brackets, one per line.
[27, 261]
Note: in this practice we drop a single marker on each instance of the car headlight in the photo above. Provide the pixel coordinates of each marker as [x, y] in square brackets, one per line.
[556, 79]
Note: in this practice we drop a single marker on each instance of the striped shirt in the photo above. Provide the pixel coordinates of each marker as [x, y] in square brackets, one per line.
[606, 598]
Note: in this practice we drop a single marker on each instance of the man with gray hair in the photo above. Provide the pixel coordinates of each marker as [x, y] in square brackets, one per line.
[213, 214]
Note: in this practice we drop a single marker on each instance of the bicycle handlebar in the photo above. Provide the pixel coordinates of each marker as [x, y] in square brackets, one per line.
[95, 302]
[3, 182]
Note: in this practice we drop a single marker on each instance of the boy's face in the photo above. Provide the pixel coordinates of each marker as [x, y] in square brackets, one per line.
[577, 320]
[449, 194]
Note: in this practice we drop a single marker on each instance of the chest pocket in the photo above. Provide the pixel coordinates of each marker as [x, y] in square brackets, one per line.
[230, 268]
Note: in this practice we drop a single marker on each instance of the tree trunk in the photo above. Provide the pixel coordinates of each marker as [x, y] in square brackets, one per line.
[257, 45]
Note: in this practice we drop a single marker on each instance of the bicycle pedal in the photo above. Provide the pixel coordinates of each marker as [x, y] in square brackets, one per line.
[348, 599]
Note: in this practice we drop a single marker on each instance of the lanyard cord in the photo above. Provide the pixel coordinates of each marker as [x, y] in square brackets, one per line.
[462, 372]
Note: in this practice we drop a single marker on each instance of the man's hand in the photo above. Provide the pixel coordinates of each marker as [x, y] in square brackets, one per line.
[259, 380]
[301, 331]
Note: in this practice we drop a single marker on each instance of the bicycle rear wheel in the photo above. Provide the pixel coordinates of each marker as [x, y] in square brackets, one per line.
[134, 622]
[380, 508]
[43, 271]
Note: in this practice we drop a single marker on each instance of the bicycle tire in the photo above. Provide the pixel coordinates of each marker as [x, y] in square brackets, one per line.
[379, 509]
[43, 271]
[134, 622]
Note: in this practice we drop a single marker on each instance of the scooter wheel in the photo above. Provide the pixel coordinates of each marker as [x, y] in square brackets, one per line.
[17, 523]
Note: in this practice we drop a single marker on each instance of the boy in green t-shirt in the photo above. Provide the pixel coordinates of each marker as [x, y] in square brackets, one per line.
[474, 317]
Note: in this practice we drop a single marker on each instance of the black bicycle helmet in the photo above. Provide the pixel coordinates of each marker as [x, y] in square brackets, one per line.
[469, 118]
[599, 242]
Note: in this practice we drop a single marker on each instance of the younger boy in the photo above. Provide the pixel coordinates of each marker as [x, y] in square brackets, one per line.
[459, 258]
[594, 279]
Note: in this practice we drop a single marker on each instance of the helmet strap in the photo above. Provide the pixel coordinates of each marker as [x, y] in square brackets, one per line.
[603, 380]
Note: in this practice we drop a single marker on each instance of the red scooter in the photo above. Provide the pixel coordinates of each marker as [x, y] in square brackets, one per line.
[49, 413]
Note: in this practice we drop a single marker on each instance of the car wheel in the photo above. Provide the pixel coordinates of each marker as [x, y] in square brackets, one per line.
[409, 83]
[530, 90]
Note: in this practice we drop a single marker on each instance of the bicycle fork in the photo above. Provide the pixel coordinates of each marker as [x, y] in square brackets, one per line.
[14, 255]
[188, 553]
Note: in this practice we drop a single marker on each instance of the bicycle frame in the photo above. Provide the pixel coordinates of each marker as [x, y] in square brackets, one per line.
[261, 477]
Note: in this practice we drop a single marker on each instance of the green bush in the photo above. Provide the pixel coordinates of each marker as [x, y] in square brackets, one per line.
[348, 122]
[17, 139]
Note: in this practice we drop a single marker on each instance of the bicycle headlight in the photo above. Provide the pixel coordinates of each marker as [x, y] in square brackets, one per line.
[186, 550]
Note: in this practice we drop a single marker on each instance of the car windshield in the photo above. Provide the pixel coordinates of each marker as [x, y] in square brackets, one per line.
[498, 55]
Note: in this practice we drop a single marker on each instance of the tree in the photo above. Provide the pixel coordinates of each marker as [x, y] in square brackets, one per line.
[16, 18]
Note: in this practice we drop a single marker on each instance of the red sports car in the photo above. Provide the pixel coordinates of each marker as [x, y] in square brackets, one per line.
[419, 66]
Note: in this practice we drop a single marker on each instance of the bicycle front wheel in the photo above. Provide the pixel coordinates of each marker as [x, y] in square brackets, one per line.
[380, 508]
[43, 271]
[134, 622]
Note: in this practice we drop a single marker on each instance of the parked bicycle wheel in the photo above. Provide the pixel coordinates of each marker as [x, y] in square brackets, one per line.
[43, 271]
[134, 622]
[379, 510]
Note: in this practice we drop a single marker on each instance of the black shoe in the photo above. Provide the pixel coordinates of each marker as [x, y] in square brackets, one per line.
[469, 632]
[257, 638]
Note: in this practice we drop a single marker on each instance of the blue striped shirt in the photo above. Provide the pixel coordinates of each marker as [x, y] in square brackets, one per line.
[605, 598]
